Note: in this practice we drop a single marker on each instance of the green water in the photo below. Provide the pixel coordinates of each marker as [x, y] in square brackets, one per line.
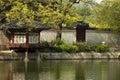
[60, 70]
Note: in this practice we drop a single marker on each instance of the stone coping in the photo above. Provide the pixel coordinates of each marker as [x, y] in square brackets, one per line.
[78, 56]
[11, 55]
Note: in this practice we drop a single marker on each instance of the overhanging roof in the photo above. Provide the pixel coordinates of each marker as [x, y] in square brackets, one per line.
[34, 25]
[79, 25]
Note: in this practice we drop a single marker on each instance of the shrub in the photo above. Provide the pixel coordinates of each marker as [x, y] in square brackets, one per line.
[52, 46]
[68, 48]
[45, 46]
[83, 47]
[101, 48]
[60, 46]
[57, 42]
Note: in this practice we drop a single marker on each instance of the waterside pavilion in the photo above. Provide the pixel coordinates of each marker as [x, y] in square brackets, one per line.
[24, 36]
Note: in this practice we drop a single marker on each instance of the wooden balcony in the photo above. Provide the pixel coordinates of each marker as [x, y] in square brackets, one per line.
[23, 46]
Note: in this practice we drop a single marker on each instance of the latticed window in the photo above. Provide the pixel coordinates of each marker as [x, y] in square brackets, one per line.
[33, 38]
[19, 39]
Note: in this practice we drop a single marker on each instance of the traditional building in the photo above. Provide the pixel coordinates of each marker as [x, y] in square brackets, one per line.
[27, 36]
[23, 36]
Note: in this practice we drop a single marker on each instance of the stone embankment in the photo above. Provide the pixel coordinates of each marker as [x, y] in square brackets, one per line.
[11, 55]
[79, 56]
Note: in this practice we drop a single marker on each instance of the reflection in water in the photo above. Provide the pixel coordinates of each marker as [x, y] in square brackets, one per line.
[79, 72]
[26, 70]
[60, 70]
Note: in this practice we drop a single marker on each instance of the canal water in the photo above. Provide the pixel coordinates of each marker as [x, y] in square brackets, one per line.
[60, 70]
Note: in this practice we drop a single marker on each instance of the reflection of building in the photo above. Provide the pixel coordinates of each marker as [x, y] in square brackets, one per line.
[18, 76]
[46, 76]
[65, 75]
[25, 76]
[83, 70]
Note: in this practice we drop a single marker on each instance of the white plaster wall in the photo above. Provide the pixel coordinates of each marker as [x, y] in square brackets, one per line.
[48, 35]
[92, 36]
[69, 36]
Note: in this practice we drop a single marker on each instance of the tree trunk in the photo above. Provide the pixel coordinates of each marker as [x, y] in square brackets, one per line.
[59, 31]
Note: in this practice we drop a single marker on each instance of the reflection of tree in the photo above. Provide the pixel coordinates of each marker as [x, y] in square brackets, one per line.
[38, 69]
[57, 71]
[26, 70]
[10, 71]
[32, 71]
[79, 72]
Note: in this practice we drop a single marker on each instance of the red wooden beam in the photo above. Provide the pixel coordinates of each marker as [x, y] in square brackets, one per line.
[12, 38]
[27, 40]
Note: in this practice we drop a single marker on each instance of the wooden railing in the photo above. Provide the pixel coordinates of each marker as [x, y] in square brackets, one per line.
[10, 45]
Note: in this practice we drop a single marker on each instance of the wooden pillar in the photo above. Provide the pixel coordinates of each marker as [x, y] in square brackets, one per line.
[12, 38]
[27, 39]
[80, 35]
[39, 36]
[39, 43]
[27, 44]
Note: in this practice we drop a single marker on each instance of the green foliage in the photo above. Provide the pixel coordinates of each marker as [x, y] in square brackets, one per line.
[58, 46]
[102, 48]
[61, 46]
[57, 42]
[58, 13]
[45, 46]
[83, 10]
[107, 14]
[68, 48]
[52, 46]
[46, 11]
[20, 12]
[83, 47]
[12, 10]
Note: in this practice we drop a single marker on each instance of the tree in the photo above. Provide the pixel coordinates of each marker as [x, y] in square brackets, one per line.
[63, 13]
[20, 12]
[57, 13]
[87, 9]
[4, 7]
[108, 14]
[12, 10]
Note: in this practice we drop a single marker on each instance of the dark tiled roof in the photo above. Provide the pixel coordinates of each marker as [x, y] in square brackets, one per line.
[33, 24]
[79, 25]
